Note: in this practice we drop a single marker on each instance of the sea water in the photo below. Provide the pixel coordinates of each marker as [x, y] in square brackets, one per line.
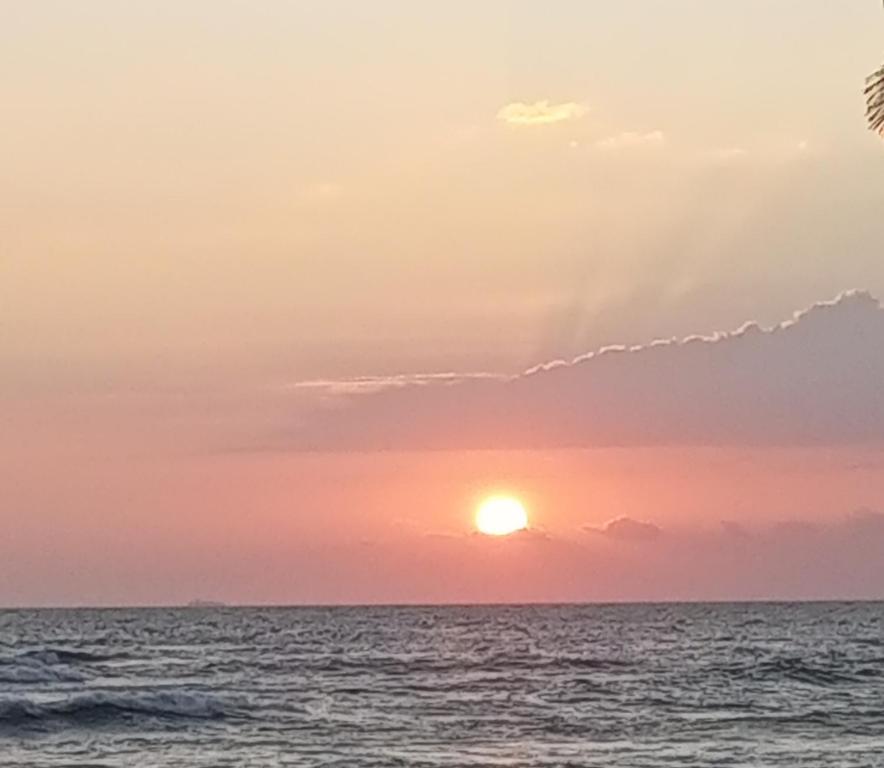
[591, 685]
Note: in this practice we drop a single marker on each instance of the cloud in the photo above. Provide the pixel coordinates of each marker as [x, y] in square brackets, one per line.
[865, 522]
[631, 139]
[533, 534]
[627, 529]
[861, 524]
[529, 534]
[627, 559]
[817, 379]
[794, 559]
[369, 384]
[734, 530]
[540, 112]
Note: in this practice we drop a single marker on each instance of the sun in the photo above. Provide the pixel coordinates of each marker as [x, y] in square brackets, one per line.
[501, 515]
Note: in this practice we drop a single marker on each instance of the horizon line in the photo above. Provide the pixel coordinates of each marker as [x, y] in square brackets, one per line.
[221, 605]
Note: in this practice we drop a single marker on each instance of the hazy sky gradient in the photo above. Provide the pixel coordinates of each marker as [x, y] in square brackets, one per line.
[204, 205]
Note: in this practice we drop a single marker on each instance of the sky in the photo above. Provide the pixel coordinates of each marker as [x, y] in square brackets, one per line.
[287, 289]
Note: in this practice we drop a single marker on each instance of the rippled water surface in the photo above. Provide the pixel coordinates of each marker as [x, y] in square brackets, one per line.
[640, 685]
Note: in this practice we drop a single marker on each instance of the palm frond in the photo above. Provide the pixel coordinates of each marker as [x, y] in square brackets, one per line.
[874, 92]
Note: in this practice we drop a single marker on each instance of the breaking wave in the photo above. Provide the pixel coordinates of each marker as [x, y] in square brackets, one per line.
[49, 665]
[102, 706]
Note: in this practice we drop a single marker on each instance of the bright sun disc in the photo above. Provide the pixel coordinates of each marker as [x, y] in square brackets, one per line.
[501, 515]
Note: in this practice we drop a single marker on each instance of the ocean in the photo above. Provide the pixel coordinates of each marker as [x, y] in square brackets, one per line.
[577, 685]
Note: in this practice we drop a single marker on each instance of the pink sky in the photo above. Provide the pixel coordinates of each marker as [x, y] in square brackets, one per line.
[154, 500]
[287, 289]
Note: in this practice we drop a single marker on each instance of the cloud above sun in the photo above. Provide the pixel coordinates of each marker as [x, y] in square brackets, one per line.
[540, 112]
[817, 379]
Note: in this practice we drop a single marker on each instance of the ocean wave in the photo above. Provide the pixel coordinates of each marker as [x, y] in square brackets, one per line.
[48, 665]
[493, 663]
[104, 706]
[36, 672]
[67, 656]
[795, 669]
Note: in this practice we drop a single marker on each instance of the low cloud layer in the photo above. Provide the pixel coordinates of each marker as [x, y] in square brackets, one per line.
[817, 379]
[628, 529]
[540, 112]
[837, 558]
[792, 559]
[863, 523]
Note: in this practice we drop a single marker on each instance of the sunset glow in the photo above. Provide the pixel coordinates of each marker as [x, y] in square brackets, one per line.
[323, 303]
[500, 516]
[407, 377]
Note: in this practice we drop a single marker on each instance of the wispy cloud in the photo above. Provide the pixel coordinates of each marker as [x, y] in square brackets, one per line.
[363, 385]
[540, 112]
